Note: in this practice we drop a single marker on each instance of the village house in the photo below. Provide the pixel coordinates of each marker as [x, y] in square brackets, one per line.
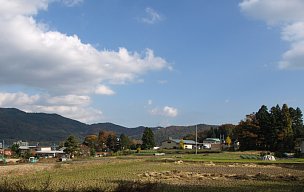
[48, 152]
[176, 144]
[212, 143]
[39, 151]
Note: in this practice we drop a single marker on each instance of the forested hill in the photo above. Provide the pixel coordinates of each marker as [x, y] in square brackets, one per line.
[37, 127]
[52, 128]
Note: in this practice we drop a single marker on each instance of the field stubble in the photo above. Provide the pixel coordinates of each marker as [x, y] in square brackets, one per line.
[108, 174]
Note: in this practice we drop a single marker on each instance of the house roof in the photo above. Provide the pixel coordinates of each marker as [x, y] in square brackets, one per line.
[49, 152]
[212, 139]
[184, 140]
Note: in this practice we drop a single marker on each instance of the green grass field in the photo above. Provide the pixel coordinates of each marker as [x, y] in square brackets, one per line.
[174, 172]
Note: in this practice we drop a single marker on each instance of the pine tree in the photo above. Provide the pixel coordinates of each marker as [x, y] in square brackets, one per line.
[287, 129]
[277, 126]
[148, 139]
[267, 132]
[71, 145]
[297, 122]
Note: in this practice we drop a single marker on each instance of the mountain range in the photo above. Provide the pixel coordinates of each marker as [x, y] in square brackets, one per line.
[53, 128]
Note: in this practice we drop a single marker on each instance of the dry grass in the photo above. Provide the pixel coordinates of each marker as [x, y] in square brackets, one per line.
[139, 174]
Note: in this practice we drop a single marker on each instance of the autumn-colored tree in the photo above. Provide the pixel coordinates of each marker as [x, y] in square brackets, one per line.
[247, 133]
[228, 141]
[90, 140]
[102, 139]
[181, 144]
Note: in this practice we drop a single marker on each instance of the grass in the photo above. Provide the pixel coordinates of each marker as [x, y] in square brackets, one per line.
[128, 173]
[228, 157]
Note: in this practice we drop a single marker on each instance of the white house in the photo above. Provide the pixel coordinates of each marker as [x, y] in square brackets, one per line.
[175, 144]
[48, 152]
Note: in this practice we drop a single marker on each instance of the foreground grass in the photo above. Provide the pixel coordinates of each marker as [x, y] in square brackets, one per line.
[129, 174]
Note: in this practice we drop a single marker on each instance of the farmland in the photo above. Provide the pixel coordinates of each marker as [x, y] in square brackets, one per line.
[202, 172]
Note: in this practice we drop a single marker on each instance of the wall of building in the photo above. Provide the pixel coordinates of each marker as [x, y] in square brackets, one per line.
[188, 146]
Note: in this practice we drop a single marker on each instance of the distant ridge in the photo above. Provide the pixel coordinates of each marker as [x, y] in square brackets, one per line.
[53, 128]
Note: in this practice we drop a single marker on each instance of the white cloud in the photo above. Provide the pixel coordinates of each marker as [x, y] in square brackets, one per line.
[61, 65]
[165, 111]
[289, 16]
[72, 3]
[104, 90]
[17, 99]
[71, 106]
[151, 17]
[150, 102]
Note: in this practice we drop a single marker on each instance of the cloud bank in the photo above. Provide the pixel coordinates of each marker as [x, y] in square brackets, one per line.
[61, 67]
[289, 16]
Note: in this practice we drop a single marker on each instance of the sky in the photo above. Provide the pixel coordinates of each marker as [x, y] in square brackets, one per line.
[151, 62]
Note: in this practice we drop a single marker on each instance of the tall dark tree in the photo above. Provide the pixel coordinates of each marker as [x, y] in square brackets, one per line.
[15, 148]
[297, 122]
[277, 126]
[287, 129]
[71, 145]
[267, 133]
[148, 139]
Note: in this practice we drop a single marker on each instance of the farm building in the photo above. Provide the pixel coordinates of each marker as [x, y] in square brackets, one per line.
[212, 140]
[176, 144]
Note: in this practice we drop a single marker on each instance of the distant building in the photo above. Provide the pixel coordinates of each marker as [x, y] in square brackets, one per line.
[212, 140]
[21, 143]
[48, 152]
[212, 143]
[175, 144]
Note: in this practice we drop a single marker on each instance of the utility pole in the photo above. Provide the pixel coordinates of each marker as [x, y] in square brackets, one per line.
[196, 139]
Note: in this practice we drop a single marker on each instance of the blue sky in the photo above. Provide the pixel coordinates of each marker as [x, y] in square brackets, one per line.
[150, 62]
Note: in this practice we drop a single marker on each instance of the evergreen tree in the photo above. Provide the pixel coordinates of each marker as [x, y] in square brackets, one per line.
[297, 122]
[267, 133]
[287, 129]
[148, 139]
[277, 126]
[72, 146]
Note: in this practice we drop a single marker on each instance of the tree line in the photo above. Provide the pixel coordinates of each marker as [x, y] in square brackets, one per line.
[276, 129]
[107, 141]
